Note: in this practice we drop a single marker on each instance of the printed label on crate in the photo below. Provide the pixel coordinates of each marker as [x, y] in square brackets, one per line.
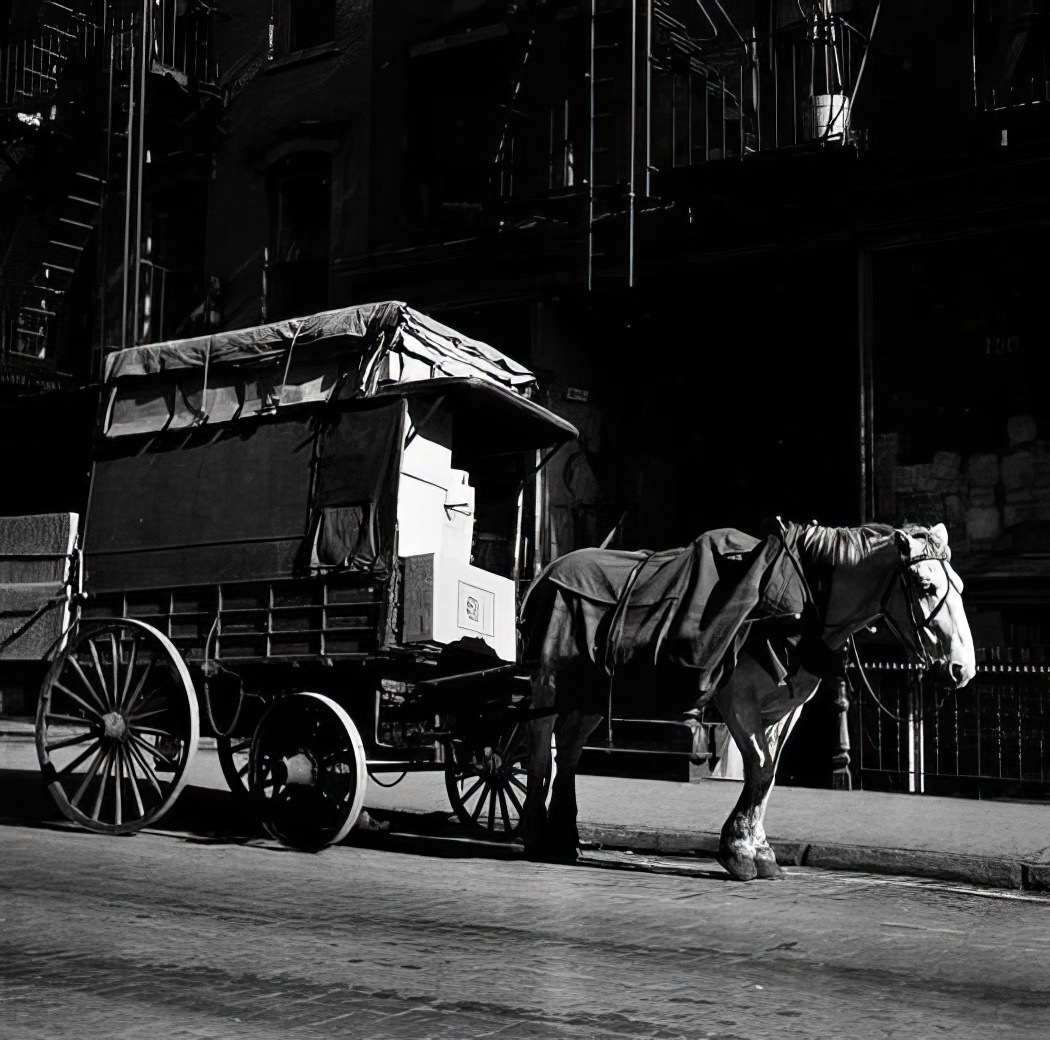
[476, 609]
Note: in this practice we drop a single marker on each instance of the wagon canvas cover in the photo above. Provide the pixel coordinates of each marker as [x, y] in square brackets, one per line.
[350, 352]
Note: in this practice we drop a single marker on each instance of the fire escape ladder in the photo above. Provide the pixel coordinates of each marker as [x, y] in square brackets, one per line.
[616, 160]
[34, 86]
[41, 300]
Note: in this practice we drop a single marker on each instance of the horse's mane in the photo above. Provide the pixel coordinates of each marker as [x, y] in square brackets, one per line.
[850, 545]
[845, 545]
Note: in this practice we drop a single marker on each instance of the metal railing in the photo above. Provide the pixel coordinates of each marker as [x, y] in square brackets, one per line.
[30, 69]
[992, 738]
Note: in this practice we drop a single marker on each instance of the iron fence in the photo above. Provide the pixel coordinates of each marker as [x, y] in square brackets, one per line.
[990, 739]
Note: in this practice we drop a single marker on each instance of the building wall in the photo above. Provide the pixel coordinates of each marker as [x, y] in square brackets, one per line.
[316, 99]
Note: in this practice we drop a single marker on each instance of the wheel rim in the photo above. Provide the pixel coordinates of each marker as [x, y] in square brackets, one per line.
[307, 772]
[487, 781]
[117, 727]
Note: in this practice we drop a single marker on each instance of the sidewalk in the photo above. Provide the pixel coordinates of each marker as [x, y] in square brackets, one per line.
[1000, 844]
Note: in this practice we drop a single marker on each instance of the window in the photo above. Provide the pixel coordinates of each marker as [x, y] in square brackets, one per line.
[301, 204]
[301, 24]
[1012, 52]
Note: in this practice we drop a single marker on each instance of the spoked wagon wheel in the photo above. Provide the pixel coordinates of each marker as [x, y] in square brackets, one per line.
[117, 726]
[487, 780]
[308, 772]
[235, 760]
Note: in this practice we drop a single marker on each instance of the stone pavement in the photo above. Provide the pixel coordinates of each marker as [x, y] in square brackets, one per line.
[994, 843]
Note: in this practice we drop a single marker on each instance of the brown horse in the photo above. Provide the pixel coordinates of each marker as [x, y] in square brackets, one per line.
[752, 625]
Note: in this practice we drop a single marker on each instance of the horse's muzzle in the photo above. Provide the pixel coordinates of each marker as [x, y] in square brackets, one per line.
[952, 675]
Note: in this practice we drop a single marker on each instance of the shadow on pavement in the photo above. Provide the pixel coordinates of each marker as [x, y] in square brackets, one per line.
[207, 816]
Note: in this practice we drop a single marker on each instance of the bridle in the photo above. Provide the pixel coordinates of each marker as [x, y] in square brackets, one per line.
[903, 578]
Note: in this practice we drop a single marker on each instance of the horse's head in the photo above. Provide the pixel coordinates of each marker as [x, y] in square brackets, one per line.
[924, 604]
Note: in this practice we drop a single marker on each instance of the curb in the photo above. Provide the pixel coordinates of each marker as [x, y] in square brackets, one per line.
[985, 871]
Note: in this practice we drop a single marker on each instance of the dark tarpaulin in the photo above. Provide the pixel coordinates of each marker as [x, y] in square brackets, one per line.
[236, 505]
[211, 507]
[355, 507]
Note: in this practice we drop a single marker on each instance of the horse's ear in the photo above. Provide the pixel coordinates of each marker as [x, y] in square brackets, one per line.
[903, 540]
[940, 533]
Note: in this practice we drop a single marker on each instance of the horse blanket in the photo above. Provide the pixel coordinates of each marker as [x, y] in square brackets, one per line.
[690, 607]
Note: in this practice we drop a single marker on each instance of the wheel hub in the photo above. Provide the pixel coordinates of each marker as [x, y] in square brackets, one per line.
[493, 761]
[300, 768]
[116, 726]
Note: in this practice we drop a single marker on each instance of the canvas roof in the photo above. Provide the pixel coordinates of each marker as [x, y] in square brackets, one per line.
[346, 354]
[381, 328]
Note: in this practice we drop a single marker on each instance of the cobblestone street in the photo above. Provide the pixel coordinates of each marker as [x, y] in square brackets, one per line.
[180, 935]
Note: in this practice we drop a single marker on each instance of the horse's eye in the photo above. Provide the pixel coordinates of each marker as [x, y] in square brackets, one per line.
[921, 583]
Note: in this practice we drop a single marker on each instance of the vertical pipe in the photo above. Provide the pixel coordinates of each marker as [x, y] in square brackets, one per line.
[128, 163]
[707, 118]
[590, 154]
[649, 98]
[740, 109]
[632, 143]
[865, 350]
[722, 81]
[674, 124]
[794, 94]
[776, 99]
[973, 49]
[689, 114]
[568, 179]
[145, 47]
[550, 149]
[104, 192]
[756, 89]
[539, 511]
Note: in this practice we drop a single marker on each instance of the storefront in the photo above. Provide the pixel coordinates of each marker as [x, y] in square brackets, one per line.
[959, 419]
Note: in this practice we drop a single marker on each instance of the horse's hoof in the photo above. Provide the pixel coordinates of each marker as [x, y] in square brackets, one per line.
[769, 869]
[551, 854]
[561, 855]
[740, 868]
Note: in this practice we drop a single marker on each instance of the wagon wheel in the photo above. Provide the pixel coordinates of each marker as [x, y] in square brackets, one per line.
[487, 778]
[117, 726]
[307, 772]
[234, 760]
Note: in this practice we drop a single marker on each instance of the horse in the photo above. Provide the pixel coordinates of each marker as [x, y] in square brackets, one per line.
[750, 625]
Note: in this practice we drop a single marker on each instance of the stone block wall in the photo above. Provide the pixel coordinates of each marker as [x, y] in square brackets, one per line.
[989, 500]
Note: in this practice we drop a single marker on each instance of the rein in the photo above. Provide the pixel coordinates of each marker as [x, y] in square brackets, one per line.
[875, 697]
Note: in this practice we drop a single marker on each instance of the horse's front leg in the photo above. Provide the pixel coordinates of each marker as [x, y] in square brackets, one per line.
[776, 737]
[742, 848]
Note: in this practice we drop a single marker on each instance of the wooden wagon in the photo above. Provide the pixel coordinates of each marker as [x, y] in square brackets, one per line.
[300, 539]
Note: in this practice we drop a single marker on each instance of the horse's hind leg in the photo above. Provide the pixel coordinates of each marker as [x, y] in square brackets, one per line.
[533, 830]
[563, 837]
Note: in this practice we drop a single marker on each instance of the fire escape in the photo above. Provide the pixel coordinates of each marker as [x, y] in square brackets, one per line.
[78, 161]
[667, 85]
